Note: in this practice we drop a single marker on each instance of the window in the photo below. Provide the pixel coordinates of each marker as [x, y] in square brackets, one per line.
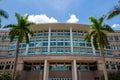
[44, 50]
[60, 50]
[116, 37]
[82, 51]
[40, 33]
[1, 67]
[60, 67]
[45, 43]
[75, 50]
[88, 44]
[60, 44]
[52, 43]
[38, 51]
[110, 38]
[52, 50]
[7, 67]
[67, 50]
[27, 66]
[84, 67]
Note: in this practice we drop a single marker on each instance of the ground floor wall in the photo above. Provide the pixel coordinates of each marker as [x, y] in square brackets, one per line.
[68, 67]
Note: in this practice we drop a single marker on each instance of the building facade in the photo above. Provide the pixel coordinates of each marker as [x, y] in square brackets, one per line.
[57, 51]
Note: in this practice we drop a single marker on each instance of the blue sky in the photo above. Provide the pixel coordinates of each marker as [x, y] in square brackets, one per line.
[47, 11]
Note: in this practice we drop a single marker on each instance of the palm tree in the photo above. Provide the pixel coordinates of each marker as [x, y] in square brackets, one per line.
[97, 35]
[115, 11]
[3, 14]
[21, 30]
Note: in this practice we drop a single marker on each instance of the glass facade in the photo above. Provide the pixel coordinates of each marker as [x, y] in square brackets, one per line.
[59, 42]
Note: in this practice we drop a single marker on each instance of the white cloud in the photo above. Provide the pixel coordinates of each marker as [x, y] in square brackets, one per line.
[42, 18]
[72, 19]
[116, 26]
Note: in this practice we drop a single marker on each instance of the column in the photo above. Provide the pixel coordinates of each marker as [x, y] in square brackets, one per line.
[49, 35]
[45, 70]
[74, 70]
[71, 40]
[27, 47]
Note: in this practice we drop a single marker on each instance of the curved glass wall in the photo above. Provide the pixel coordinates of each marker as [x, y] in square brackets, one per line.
[57, 42]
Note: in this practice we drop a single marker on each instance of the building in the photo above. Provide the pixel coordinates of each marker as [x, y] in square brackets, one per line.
[57, 51]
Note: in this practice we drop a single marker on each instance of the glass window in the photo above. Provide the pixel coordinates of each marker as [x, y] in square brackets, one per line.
[53, 39]
[89, 51]
[60, 44]
[38, 51]
[68, 67]
[27, 66]
[67, 50]
[80, 33]
[82, 44]
[60, 67]
[116, 37]
[52, 50]
[60, 33]
[53, 33]
[110, 38]
[67, 33]
[84, 67]
[34, 34]
[67, 43]
[31, 44]
[75, 43]
[67, 39]
[45, 43]
[31, 40]
[23, 52]
[44, 50]
[82, 51]
[74, 33]
[75, 50]
[36, 67]
[60, 50]
[40, 33]
[46, 33]
[78, 67]
[97, 52]
[31, 51]
[52, 43]
[45, 39]
[88, 44]
[52, 67]
[38, 39]
[38, 44]
[24, 45]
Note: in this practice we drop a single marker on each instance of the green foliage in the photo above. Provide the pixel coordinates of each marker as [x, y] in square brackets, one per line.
[113, 76]
[21, 29]
[115, 11]
[3, 14]
[97, 32]
[5, 76]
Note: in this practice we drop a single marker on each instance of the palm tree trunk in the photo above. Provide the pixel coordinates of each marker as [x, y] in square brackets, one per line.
[16, 60]
[103, 63]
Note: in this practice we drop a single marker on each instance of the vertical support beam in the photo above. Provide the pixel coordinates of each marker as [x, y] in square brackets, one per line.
[49, 36]
[71, 40]
[74, 70]
[27, 47]
[45, 70]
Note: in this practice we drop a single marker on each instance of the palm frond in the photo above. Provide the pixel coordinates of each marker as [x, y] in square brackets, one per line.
[3, 14]
[10, 26]
[114, 12]
[107, 28]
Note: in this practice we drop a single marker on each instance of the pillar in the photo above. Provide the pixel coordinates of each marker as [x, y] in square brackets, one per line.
[74, 70]
[45, 70]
